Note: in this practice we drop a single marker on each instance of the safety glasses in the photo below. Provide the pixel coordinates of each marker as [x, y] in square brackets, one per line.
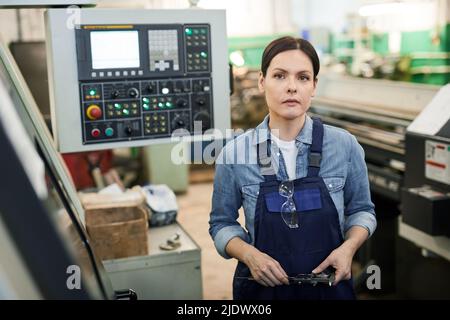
[288, 209]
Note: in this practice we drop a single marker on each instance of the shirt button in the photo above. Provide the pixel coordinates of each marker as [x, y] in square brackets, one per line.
[278, 154]
[330, 185]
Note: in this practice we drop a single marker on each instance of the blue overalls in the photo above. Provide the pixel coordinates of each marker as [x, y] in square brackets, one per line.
[298, 250]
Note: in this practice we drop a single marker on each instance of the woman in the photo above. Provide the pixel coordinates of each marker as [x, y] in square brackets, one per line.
[303, 186]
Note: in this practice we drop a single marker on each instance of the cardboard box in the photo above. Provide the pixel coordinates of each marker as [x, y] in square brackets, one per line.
[117, 224]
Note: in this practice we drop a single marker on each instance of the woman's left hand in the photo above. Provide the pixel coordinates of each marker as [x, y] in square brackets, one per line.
[341, 260]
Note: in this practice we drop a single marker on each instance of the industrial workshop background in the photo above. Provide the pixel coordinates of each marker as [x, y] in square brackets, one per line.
[384, 70]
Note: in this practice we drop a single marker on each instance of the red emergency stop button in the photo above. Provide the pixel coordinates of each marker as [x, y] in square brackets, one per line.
[94, 112]
[95, 132]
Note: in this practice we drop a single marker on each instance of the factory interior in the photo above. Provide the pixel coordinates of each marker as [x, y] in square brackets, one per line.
[113, 114]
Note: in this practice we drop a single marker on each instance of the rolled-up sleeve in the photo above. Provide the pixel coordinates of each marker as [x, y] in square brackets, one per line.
[226, 201]
[359, 209]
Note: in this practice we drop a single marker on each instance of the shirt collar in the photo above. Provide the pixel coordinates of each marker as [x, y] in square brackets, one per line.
[262, 132]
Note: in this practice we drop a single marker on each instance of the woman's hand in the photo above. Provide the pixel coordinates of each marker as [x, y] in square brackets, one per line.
[341, 260]
[264, 269]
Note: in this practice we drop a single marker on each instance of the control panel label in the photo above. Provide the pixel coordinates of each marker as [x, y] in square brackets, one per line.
[437, 161]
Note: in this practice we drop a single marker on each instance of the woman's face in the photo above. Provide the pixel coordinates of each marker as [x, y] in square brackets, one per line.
[289, 84]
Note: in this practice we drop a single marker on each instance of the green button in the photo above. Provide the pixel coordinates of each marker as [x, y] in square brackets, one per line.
[118, 106]
[203, 31]
[146, 100]
[146, 106]
[168, 105]
[203, 54]
[188, 31]
[196, 31]
[161, 105]
[92, 92]
[109, 132]
[126, 112]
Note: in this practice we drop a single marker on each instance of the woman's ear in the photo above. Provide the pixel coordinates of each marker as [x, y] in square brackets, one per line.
[261, 82]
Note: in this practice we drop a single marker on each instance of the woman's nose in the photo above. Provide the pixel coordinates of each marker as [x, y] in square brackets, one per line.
[292, 88]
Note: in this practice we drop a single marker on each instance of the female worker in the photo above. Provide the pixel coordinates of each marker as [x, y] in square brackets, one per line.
[303, 186]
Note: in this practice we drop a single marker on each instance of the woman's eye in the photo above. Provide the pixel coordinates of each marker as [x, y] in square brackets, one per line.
[304, 78]
[278, 76]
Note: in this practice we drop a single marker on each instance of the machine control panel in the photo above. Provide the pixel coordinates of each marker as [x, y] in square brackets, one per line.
[143, 81]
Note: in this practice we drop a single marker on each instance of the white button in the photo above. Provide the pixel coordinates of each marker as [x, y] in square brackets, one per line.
[101, 74]
[165, 90]
[94, 74]
[109, 74]
[140, 72]
[133, 73]
[330, 185]
[125, 73]
[117, 73]
[206, 88]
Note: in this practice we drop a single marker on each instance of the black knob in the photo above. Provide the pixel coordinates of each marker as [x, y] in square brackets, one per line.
[204, 118]
[133, 92]
[115, 93]
[179, 122]
[182, 103]
[128, 130]
[151, 88]
[200, 101]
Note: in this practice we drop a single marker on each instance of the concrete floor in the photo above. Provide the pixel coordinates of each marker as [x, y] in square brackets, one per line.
[193, 215]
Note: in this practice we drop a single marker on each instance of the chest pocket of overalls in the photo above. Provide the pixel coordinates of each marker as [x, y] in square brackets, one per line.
[305, 200]
[335, 186]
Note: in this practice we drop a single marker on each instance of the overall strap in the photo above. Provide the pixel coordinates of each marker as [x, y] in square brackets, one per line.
[315, 152]
[265, 161]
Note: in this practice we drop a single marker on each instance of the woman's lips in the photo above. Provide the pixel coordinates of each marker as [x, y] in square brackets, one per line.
[291, 102]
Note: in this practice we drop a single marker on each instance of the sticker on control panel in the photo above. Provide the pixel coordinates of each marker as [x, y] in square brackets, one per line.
[437, 161]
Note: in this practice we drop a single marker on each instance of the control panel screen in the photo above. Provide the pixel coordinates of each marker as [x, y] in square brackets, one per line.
[115, 49]
[163, 50]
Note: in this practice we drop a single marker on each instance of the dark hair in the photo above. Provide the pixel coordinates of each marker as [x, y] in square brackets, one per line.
[289, 43]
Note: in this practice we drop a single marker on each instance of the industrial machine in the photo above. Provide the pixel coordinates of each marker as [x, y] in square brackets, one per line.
[121, 78]
[405, 135]
[117, 78]
[425, 219]
[426, 193]
[377, 112]
[43, 238]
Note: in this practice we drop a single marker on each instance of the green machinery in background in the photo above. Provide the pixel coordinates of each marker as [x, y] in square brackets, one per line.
[424, 55]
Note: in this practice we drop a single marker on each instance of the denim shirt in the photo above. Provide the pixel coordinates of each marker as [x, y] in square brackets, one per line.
[238, 176]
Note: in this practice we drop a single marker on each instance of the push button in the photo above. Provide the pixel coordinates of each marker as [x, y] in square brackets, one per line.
[95, 133]
[109, 132]
[94, 112]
